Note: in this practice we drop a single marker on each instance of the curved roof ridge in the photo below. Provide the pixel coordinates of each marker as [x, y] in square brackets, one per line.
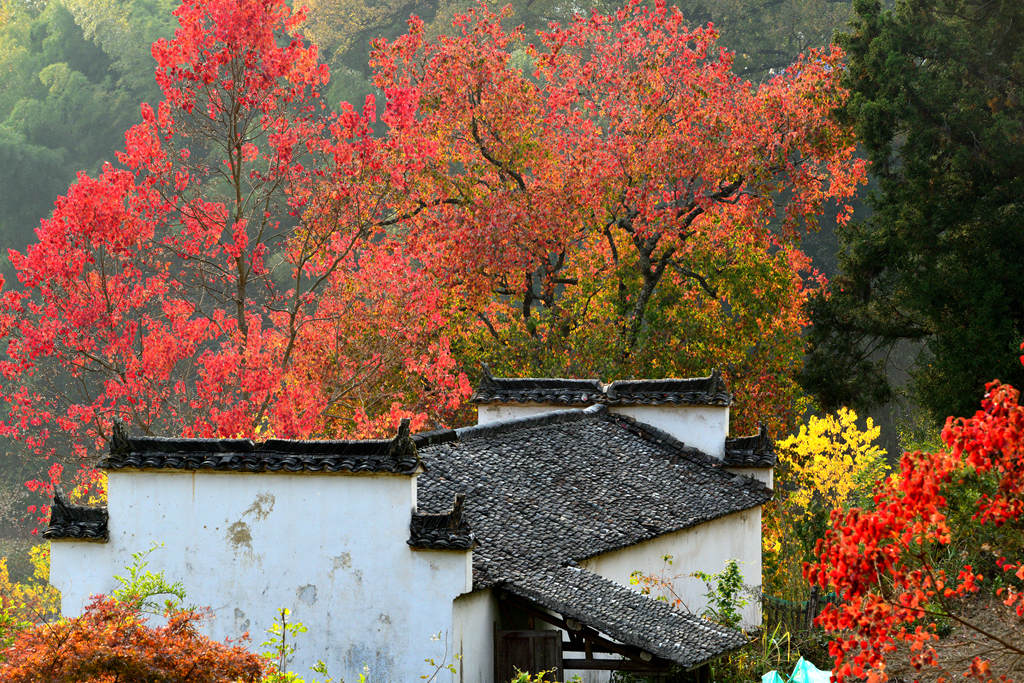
[707, 390]
[754, 450]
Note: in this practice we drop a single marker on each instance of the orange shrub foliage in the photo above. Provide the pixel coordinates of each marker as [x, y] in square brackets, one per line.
[112, 642]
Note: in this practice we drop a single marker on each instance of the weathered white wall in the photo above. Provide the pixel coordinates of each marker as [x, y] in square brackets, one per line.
[332, 548]
[765, 475]
[703, 427]
[703, 548]
[494, 412]
[474, 617]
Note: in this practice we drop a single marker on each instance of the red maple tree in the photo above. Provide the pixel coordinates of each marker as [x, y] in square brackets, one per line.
[892, 566]
[613, 201]
[203, 285]
[111, 642]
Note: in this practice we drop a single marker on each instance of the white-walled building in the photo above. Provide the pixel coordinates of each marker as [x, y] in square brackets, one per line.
[508, 544]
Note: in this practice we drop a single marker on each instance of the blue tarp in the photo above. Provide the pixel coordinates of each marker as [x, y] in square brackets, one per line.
[803, 672]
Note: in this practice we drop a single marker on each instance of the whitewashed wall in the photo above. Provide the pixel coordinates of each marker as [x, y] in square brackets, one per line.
[332, 548]
[703, 548]
[474, 617]
[495, 412]
[703, 427]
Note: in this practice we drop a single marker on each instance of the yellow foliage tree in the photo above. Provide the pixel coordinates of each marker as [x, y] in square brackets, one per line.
[31, 602]
[829, 463]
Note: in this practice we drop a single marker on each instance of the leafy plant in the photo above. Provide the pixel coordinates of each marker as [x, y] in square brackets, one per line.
[539, 677]
[23, 604]
[111, 641]
[891, 565]
[141, 585]
[831, 462]
[443, 664]
[725, 595]
[279, 649]
[661, 585]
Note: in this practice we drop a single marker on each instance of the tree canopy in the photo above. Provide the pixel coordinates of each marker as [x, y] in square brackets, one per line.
[606, 205]
[937, 103]
[946, 528]
[614, 201]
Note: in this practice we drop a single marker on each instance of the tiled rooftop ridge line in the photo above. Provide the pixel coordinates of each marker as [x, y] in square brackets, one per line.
[755, 450]
[76, 521]
[445, 531]
[398, 455]
[710, 390]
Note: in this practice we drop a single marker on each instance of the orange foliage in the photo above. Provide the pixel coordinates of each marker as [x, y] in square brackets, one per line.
[111, 642]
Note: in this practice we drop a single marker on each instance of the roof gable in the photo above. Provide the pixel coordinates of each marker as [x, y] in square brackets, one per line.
[574, 484]
[710, 390]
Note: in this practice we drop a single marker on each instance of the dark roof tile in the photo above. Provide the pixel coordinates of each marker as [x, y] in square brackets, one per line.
[623, 614]
[568, 392]
[446, 531]
[575, 484]
[756, 450]
[710, 390]
[76, 522]
[383, 456]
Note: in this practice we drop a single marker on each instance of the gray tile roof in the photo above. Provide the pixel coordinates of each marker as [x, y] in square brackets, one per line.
[572, 484]
[546, 491]
[756, 450]
[554, 390]
[445, 531]
[76, 522]
[710, 390]
[389, 456]
[623, 614]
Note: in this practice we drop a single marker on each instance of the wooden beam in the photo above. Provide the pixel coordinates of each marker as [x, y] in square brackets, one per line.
[588, 634]
[614, 665]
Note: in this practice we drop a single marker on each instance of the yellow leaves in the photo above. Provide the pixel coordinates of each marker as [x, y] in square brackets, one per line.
[35, 600]
[830, 463]
[832, 460]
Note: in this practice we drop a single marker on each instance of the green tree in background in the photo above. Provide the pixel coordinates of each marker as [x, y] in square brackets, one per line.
[125, 30]
[66, 101]
[936, 98]
[766, 35]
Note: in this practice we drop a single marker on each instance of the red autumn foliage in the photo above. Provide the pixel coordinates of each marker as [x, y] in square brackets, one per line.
[111, 642]
[890, 567]
[613, 201]
[204, 285]
[257, 264]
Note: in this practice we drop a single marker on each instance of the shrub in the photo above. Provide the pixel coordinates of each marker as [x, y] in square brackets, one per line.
[112, 642]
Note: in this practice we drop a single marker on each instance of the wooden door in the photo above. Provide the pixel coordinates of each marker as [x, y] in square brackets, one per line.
[531, 651]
